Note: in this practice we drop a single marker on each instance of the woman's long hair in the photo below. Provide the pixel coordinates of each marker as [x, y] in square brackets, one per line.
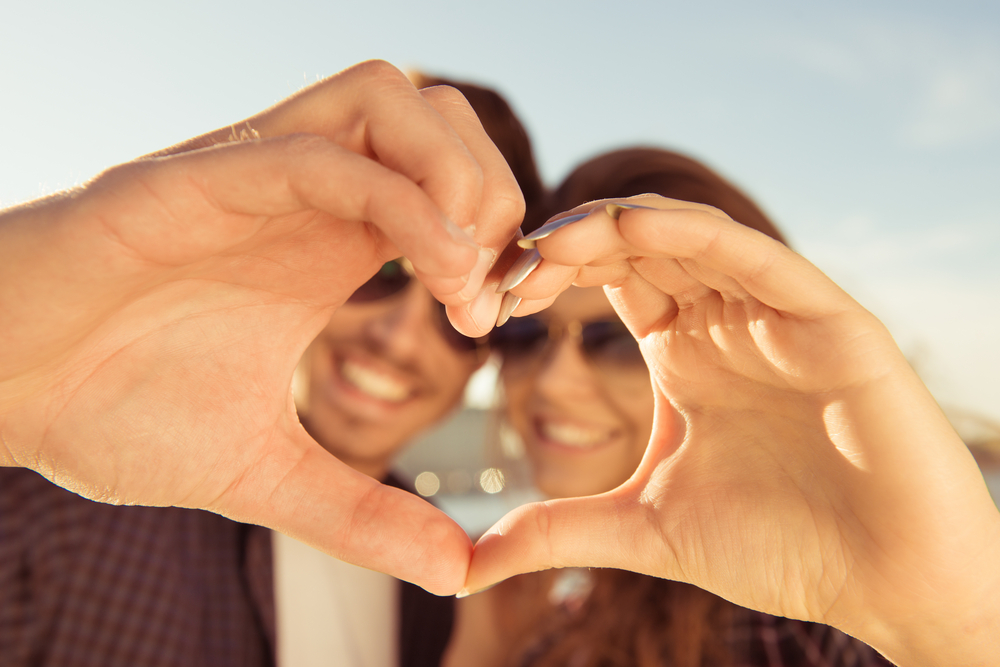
[633, 620]
[628, 619]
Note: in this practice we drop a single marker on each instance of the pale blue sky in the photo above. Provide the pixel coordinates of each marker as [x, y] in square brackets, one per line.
[870, 131]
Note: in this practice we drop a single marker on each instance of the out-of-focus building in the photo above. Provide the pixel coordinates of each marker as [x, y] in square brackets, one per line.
[463, 467]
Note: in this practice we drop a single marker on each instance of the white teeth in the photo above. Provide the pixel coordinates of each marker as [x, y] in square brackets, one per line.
[375, 384]
[573, 436]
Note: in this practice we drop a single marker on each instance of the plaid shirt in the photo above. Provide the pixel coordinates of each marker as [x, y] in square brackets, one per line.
[761, 640]
[86, 584]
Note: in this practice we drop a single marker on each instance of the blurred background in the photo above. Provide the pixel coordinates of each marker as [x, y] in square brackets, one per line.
[870, 131]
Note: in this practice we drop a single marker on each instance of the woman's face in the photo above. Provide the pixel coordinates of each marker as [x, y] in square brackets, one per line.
[585, 422]
[379, 373]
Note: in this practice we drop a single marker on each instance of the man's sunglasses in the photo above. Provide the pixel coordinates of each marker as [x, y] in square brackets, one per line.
[391, 280]
[608, 344]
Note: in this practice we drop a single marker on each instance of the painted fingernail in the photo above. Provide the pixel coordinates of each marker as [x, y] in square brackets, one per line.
[549, 228]
[615, 210]
[460, 235]
[484, 309]
[520, 270]
[487, 257]
[507, 306]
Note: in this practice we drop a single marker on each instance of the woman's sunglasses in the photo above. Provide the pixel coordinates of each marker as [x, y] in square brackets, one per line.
[391, 280]
[608, 344]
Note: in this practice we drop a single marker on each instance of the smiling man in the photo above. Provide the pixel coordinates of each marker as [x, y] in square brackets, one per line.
[388, 366]
[84, 583]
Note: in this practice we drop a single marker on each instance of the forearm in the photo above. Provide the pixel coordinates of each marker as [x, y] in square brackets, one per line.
[936, 553]
[960, 634]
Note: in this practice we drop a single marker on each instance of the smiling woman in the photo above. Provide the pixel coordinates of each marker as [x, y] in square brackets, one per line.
[578, 392]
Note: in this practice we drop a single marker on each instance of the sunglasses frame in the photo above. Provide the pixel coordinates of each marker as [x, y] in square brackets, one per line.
[556, 331]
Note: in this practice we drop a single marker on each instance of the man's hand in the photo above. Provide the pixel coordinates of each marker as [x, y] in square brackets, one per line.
[151, 320]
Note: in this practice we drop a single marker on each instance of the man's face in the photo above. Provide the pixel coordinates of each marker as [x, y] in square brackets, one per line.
[379, 373]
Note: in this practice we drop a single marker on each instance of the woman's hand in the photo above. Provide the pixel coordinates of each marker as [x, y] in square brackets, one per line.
[797, 466]
[150, 321]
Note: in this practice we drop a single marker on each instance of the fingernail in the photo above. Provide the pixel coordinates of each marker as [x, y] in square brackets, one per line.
[465, 592]
[615, 210]
[487, 257]
[484, 309]
[460, 235]
[520, 270]
[549, 228]
[507, 306]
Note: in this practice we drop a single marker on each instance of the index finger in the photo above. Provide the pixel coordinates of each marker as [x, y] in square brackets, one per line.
[763, 267]
[474, 306]
[372, 109]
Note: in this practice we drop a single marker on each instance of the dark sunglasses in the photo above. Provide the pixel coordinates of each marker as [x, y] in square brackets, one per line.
[608, 344]
[391, 280]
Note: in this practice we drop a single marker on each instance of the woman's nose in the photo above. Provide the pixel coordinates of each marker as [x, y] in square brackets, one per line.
[563, 371]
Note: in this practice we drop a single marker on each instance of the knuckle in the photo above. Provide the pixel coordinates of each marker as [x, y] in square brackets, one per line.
[381, 82]
[446, 95]
[508, 203]
[714, 211]
[302, 143]
[376, 70]
[543, 524]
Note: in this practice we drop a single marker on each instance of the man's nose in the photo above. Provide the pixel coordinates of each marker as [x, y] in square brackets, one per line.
[406, 323]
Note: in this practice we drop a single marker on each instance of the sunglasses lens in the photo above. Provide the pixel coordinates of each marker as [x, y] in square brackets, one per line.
[610, 343]
[520, 338]
[389, 280]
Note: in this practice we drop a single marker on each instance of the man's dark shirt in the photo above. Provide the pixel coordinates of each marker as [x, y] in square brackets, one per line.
[86, 584]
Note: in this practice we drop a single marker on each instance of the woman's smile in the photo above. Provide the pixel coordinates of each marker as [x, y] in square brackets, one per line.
[585, 424]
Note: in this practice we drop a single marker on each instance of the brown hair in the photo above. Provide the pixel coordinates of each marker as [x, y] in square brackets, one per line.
[631, 619]
[636, 171]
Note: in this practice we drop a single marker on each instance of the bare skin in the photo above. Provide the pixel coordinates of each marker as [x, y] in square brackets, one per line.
[812, 476]
[151, 319]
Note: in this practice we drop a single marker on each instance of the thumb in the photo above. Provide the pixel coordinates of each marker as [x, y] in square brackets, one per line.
[596, 531]
[323, 502]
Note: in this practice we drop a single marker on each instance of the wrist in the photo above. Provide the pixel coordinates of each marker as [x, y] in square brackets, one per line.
[961, 629]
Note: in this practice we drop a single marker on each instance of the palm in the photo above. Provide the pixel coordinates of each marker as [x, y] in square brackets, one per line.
[776, 497]
[751, 387]
[797, 465]
[158, 370]
[206, 334]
